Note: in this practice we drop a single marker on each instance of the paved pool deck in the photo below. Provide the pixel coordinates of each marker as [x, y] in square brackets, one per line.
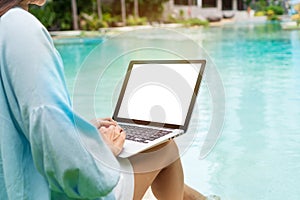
[239, 18]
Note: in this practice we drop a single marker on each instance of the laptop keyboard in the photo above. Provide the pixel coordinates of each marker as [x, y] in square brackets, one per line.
[143, 134]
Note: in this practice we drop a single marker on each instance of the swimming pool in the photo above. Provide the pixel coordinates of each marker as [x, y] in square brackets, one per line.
[258, 154]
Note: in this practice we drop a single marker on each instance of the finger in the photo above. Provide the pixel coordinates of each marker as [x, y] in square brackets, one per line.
[105, 136]
[119, 142]
[118, 128]
[103, 129]
[117, 134]
[107, 123]
[111, 132]
[104, 132]
[118, 131]
[109, 119]
[113, 121]
[120, 139]
[96, 123]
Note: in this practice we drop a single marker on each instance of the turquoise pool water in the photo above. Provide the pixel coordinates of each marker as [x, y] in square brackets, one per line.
[258, 153]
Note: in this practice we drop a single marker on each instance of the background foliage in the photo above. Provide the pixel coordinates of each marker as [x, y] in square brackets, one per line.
[57, 14]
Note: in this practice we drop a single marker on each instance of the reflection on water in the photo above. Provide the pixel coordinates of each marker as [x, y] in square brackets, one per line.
[257, 156]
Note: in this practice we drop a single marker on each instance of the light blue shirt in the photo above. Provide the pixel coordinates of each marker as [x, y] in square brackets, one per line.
[42, 155]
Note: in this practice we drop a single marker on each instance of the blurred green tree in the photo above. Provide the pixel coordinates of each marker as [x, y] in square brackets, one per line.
[66, 14]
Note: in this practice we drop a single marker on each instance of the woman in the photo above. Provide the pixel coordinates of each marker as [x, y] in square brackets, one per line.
[42, 156]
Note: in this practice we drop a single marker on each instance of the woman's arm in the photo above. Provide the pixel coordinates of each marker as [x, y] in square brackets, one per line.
[63, 145]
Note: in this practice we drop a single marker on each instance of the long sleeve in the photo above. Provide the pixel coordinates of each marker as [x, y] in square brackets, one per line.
[60, 141]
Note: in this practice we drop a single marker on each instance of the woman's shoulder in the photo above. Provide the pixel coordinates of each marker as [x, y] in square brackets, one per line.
[19, 19]
[17, 13]
[19, 24]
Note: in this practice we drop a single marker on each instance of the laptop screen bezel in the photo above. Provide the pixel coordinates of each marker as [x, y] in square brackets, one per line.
[157, 124]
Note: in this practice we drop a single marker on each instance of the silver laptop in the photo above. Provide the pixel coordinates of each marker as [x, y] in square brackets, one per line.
[156, 101]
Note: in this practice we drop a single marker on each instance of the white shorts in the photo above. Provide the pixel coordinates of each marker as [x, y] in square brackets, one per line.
[124, 190]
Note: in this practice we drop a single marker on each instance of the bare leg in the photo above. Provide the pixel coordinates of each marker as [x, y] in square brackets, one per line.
[169, 183]
[142, 181]
[149, 165]
[166, 182]
[191, 194]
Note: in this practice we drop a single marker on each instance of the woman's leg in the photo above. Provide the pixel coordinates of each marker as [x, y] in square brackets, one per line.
[150, 164]
[191, 194]
[166, 183]
[169, 183]
[142, 181]
[161, 168]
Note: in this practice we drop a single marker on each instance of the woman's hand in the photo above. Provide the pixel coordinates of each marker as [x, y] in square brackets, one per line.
[114, 137]
[106, 122]
[112, 133]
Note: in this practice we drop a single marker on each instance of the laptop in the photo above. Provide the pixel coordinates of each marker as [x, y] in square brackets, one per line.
[156, 101]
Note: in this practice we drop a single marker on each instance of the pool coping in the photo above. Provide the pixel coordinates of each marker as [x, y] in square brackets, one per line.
[111, 31]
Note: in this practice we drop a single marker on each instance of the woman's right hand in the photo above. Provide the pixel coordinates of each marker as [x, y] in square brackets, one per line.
[114, 137]
[99, 122]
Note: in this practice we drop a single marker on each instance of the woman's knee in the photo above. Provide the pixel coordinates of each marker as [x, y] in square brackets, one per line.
[156, 158]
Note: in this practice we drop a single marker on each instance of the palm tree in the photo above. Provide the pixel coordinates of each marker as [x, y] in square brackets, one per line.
[100, 16]
[136, 8]
[74, 14]
[123, 10]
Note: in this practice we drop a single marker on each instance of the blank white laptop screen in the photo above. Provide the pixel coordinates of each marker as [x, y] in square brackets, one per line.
[160, 92]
